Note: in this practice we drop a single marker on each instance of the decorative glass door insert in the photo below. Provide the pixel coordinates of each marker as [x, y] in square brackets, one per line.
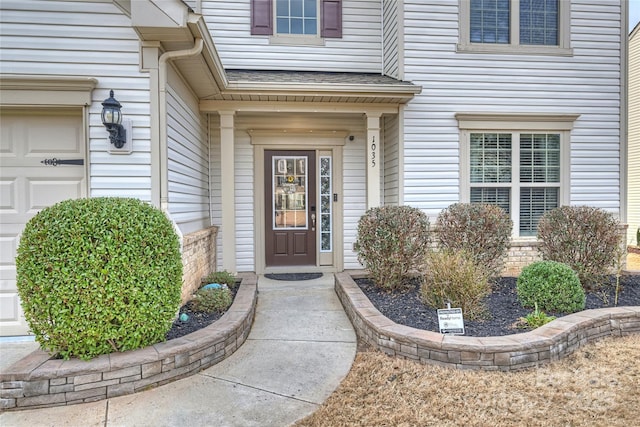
[290, 192]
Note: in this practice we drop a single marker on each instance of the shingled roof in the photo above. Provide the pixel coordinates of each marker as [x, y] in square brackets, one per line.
[313, 78]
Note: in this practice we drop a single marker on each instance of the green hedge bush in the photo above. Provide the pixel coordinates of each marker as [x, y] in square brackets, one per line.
[392, 242]
[99, 275]
[454, 277]
[585, 238]
[550, 286]
[222, 278]
[212, 300]
[481, 230]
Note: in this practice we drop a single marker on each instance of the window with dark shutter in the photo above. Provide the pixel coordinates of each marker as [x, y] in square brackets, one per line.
[331, 18]
[262, 17]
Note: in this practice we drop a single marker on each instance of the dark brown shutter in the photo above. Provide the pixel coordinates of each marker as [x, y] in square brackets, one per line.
[262, 17]
[331, 17]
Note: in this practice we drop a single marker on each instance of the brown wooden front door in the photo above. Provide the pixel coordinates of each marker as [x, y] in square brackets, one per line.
[290, 208]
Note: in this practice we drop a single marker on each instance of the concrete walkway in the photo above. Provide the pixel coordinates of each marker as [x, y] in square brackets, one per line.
[300, 347]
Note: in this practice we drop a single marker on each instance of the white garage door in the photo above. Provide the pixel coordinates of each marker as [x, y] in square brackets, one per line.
[30, 140]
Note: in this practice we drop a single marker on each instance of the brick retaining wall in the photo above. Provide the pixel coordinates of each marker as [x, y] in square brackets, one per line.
[552, 341]
[198, 259]
[39, 381]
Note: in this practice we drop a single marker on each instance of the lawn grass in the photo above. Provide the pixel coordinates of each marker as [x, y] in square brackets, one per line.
[599, 385]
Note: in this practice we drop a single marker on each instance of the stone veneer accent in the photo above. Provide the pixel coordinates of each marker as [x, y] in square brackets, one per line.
[198, 259]
[552, 341]
[39, 381]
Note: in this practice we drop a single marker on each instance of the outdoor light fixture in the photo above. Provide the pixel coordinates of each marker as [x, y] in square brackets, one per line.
[112, 119]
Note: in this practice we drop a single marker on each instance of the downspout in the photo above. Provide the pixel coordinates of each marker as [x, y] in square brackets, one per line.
[164, 144]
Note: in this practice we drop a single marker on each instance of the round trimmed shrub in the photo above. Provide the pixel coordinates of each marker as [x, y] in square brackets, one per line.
[551, 285]
[99, 275]
[392, 242]
[583, 237]
[481, 230]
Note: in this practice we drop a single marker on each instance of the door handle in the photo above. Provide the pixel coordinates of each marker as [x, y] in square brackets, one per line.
[313, 222]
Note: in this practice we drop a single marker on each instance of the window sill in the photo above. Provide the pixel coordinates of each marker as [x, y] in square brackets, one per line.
[296, 40]
[514, 49]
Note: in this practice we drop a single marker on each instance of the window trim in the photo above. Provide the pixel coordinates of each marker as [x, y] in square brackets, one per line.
[516, 124]
[514, 47]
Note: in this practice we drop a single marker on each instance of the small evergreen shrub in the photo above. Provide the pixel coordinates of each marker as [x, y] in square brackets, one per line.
[454, 277]
[481, 230]
[210, 300]
[392, 242]
[99, 275]
[552, 286]
[222, 278]
[535, 319]
[584, 238]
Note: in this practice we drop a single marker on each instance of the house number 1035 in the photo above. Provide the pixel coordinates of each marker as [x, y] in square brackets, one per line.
[373, 152]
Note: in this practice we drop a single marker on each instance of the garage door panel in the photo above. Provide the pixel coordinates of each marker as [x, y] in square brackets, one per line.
[8, 195]
[27, 186]
[59, 136]
[50, 192]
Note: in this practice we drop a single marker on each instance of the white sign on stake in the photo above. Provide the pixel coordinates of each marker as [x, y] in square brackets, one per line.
[451, 321]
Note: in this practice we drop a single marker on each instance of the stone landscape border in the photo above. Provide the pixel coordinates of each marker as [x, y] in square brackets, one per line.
[550, 342]
[40, 381]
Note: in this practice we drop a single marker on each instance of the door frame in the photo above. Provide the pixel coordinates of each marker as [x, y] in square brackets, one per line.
[320, 141]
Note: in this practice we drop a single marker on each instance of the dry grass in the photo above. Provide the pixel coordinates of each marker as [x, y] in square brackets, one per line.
[597, 386]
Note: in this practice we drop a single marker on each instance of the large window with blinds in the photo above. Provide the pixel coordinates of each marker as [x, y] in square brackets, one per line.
[518, 171]
[517, 26]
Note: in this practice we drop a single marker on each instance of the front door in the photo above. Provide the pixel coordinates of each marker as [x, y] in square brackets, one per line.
[290, 196]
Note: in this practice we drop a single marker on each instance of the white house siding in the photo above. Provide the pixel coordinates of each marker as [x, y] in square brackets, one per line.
[633, 209]
[355, 196]
[390, 41]
[188, 158]
[588, 83]
[359, 49]
[86, 39]
[391, 161]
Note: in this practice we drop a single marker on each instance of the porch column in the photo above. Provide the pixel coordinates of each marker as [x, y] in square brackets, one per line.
[227, 182]
[373, 159]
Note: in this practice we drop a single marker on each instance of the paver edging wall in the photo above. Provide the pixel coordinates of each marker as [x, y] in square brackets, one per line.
[552, 341]
[39, 381]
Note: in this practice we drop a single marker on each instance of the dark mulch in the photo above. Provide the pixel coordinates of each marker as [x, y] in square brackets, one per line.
[504, 310]
[197, 320]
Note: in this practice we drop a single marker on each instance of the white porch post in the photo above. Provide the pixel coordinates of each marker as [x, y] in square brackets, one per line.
[227, 180]
[373, 159]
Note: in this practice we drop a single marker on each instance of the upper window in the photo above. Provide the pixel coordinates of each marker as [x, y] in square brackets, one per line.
[515, 26]
[310, 18]
[525, 172]
[297, 17]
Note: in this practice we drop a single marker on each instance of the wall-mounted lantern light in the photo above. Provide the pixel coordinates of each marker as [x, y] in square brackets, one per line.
[112, 119]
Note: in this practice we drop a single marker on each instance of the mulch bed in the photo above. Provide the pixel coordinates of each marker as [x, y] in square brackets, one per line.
[503, 308]
[197, 320]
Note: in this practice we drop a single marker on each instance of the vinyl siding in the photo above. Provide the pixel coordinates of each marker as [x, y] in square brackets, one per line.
[391, 161]
[633, 208]
[188, 158]
[359, 49]
[87, 39]
[390, 40]
[587, 83]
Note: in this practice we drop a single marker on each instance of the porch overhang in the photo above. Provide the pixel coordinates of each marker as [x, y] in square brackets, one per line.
[176, 27]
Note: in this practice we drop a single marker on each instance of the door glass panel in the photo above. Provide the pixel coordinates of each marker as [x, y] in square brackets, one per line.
[325, 204]
[289, 200]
